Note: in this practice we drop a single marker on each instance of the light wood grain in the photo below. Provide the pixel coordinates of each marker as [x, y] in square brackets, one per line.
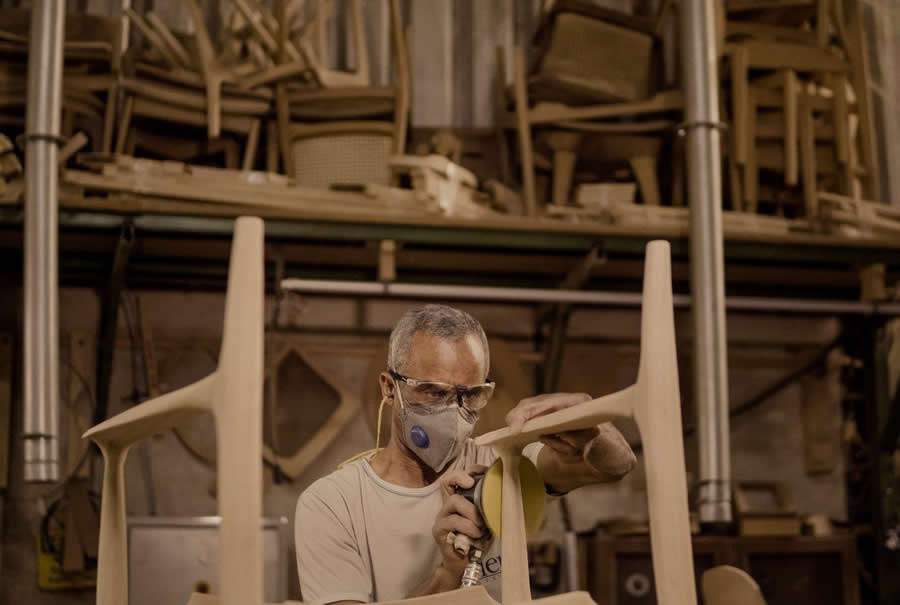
[654, 403]
[233, 394]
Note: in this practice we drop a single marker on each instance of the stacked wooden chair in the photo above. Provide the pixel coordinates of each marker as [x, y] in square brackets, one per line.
[334, 125]
[797, 104]
[91, 55]
[185, 81]
[573, 114]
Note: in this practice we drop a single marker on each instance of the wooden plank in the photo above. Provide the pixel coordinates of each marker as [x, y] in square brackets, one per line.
[545, 113]
[248, 196]
[776, 55]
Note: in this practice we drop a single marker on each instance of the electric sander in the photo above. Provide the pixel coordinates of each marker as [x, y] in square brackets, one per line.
[486, 495]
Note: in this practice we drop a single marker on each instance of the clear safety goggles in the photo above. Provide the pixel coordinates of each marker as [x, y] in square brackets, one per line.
[429, 392]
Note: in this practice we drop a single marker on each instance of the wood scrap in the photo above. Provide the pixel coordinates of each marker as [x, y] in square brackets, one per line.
[867, 218]
[175, 180]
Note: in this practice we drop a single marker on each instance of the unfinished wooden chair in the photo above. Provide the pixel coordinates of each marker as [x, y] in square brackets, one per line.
[581, 122]
[788, 79]
[233, 395]
[654, 403]
[91, 67]
[187, 106]
[817, 41]
[189, 85]
[343, 101]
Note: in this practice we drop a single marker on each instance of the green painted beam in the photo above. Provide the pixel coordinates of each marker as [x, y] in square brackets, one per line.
[490, 239]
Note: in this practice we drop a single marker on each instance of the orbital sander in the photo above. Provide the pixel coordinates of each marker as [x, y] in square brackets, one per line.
[486, 495]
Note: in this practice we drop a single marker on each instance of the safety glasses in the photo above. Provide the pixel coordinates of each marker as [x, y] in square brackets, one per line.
[429, 392]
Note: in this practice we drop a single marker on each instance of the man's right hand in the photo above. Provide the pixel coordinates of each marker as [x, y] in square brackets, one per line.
[459, 516]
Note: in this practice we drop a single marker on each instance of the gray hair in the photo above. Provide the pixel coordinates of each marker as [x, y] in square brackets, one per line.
[438, 320]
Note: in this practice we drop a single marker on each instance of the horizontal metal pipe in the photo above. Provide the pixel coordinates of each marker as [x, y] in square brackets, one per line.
[576, 297]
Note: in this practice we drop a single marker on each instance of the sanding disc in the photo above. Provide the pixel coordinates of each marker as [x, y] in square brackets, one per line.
[533, 495]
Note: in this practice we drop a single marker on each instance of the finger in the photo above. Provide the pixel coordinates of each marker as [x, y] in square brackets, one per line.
[558, 445]
[456, 479]
[519, 414]
[539, 406]
[578, 439]
[457, 524]
[460, 506]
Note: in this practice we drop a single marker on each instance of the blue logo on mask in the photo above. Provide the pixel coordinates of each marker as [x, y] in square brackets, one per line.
[419, 437]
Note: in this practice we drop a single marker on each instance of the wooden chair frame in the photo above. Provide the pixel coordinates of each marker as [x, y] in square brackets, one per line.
[233, 394]
[654, 403]
[350, 89]
[581, 119]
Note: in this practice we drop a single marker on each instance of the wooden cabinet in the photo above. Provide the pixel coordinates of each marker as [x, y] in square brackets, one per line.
[790, 571]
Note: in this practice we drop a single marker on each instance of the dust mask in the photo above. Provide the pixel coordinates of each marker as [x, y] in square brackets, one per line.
[435, 433]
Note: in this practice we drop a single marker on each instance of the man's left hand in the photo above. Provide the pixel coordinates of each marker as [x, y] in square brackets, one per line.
[599, 453]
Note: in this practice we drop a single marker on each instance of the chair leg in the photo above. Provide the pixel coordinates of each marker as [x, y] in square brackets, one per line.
[563, 175]
[564, 146]
[739, 68]
[524, 131]
[271, 146]
[109, 118]
[751, 168]
[125, 124]
[283, 114]
[251, 145]
[808, 160]
[791, 95]
[737, 189]
[644, 168]
[840, 119]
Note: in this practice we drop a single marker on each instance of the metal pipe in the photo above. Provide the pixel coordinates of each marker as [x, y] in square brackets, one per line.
[41, 370]
[576, 297]
[701, 89]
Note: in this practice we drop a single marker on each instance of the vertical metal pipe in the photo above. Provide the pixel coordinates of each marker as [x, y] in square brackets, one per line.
[701, 88]
[41, 379]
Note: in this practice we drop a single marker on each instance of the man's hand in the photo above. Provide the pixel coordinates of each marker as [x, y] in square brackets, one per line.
[457, 516]
[575, 458]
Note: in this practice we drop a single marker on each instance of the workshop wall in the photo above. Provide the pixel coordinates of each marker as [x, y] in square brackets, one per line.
[163, 478]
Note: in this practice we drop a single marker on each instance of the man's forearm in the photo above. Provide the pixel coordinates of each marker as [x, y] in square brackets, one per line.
[442, 580]
[609, 459]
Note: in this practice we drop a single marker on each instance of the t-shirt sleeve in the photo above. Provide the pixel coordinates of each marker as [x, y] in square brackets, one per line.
[329, 563]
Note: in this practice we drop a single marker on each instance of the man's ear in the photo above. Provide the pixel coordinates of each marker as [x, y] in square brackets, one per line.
[387, 387]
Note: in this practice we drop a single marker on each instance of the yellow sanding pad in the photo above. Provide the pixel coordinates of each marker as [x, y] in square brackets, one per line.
[533, 495]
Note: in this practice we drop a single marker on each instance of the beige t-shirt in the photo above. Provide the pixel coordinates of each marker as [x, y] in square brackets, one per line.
[360, 538]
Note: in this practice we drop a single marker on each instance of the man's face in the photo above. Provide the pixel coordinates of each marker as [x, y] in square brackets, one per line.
[455, 362]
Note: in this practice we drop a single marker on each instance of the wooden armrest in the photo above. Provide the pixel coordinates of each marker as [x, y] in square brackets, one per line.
[155, 416]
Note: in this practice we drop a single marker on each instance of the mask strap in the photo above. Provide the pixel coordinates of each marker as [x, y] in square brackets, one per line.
[378, 424]
[368, 453]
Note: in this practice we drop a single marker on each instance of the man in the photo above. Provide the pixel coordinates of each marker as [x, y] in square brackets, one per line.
[377, 528]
